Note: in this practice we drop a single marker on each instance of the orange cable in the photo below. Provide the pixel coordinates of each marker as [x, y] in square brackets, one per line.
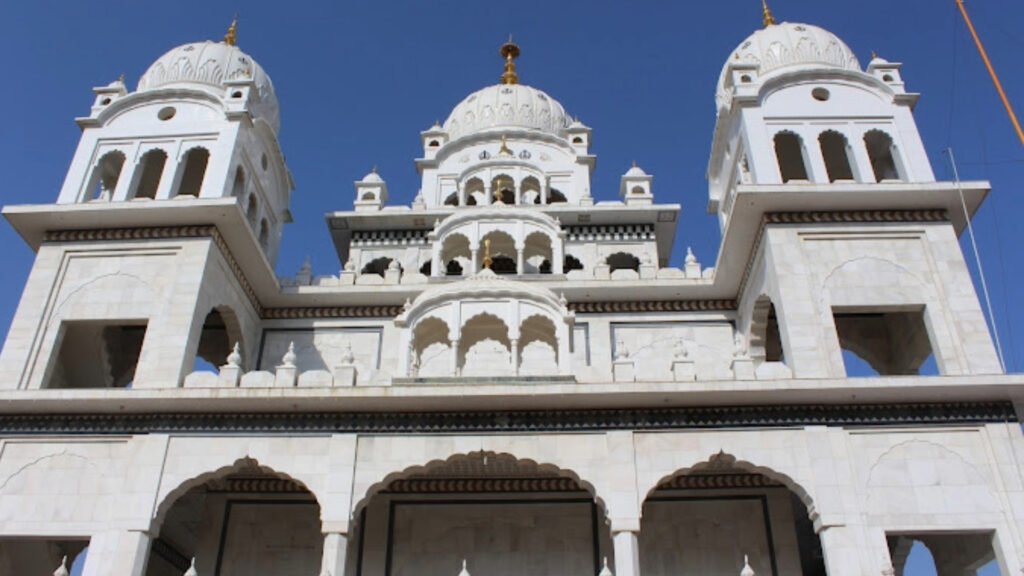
[991, 71]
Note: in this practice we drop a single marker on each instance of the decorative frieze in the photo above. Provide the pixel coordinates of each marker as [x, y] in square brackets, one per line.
[367, 238]
[653, 306]
[506, 421]
[610, 233]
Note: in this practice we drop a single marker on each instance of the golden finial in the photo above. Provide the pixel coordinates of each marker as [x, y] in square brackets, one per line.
[487, 254]
[504, 150]
[231, 38]
[769, 18]
[509, 51]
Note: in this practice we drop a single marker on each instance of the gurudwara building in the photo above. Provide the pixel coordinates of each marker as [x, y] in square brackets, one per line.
[507, 376]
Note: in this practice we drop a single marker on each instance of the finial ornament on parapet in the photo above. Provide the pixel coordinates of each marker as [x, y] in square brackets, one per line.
[766, 12]
[62, 570]
[747, 570]
[231, 38]
[509, 51]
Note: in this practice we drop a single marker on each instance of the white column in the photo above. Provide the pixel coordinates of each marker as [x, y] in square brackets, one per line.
[519, 193]
[860, 160]
[435, 257]
[544, 193]
[843, 554]
[557, 255]
[514, 356]
[170, 176]
[474, 252]
[117, 553]
[520, 261]
[627, 554]
[454, 370]
[335, 549]
[128, 174]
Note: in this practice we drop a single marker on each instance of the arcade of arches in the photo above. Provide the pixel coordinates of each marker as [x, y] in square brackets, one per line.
[505, 516]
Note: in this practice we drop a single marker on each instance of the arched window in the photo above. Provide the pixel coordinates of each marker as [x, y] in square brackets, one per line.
[106, 175]
[571, 263]
[555, 197]
[789, 150]
[426, 268]
[368, 196]
[503, 189]
[530, 190]
[765, 338]
[238, 188]
[453, 268]
[452, 199]
[196, 160]
[502, 250]
[377, 266]
[835, 152]
[454, 247]
[252, 211]
[881, 152]
[220, 333]
[152, 164]
[474, 190]
[264, 234]
[621, 260]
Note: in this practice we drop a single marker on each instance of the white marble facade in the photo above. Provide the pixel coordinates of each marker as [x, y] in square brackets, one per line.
[508, 375]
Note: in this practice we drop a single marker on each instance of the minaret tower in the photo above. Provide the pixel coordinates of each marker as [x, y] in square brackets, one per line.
[202, 124]
[807, 145]
[172, 188]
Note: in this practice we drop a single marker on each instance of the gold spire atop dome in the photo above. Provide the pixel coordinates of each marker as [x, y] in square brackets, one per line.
[231, 38]
[769, 18]
[509, 51]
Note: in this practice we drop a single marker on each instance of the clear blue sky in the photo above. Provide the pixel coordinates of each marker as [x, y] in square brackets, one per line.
[359, 79]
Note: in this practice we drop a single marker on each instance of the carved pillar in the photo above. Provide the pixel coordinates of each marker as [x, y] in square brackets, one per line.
[335, 548]
[474, 266]
[520, 261]
[519, 194]
[544, 193]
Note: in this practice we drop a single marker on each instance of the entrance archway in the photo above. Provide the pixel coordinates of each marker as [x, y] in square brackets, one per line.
[243, 519]
[503, 515]
[705, 520]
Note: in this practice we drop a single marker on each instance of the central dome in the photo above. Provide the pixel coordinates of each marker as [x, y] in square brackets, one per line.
[507, 105]
[787, 46]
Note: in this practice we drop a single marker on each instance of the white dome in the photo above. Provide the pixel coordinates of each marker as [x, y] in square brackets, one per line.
[786, 46]
[372, 177]
[208, 65]
[507, 105]
[635, 172]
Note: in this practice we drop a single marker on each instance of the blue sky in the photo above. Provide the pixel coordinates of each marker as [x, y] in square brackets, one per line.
[359, 79]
